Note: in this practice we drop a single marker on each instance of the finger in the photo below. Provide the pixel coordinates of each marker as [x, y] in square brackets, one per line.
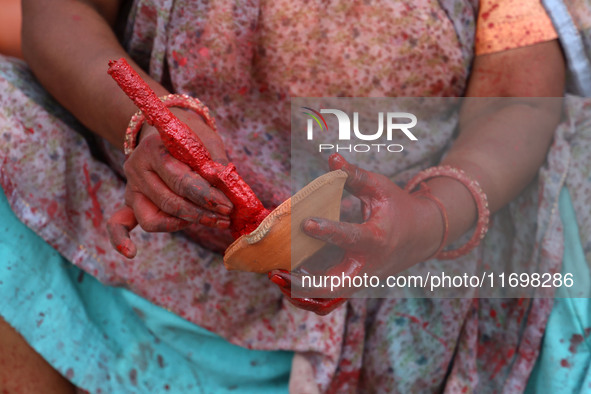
[323, 306]
[152, 219]
[351, 265]
[329, 284]
[320, 306]
[321, 261]
[187, 183]
[119, 226]
[365, 211]
[359, 182]
[173, 204]
[281, 278]
[349, 236]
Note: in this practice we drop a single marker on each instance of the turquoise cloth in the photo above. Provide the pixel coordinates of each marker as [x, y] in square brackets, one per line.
[564, 364]
[109, 340]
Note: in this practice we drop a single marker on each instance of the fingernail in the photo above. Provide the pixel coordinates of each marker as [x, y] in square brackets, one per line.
[224, 209]
[223, 223]
[190, 216]
[123, 249]
[279, 281]
[127, 249]
[208, 220]
[336, 161]
[310, 224]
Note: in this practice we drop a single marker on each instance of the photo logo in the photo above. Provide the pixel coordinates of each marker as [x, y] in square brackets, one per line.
[315, 115]
[390, 122]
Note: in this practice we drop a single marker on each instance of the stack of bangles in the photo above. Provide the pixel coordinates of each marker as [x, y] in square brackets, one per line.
[477, 194]
[170, 100]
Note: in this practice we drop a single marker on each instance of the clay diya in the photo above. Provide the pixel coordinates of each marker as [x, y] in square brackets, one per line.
[279, 242]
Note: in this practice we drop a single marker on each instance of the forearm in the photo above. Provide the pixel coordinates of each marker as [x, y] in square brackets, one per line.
[503, 140]
[502, 150]
[76, 73]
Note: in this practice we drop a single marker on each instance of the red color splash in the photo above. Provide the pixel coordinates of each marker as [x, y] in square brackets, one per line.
[344, 380]
[500, 364]
[486, 14]
[564, 363]
[575, 341]
[181, 61]
[423, 325]
[184, 145]
[133, 376]
[52, 209]
[95, 213]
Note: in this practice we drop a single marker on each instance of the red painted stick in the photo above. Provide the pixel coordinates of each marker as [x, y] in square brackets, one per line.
[184, 145]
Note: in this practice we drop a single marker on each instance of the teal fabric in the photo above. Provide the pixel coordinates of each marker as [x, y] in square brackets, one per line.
[564, 364]
[110, 340]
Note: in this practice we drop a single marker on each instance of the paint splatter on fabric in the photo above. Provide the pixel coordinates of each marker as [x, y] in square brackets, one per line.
[245, 60]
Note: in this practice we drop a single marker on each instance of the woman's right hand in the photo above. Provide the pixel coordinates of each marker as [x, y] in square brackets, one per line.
[164, 194]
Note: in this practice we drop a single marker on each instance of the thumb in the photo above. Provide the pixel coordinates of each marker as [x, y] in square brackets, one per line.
[119, 226]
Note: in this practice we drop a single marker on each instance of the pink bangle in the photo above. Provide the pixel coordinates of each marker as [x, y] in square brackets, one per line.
[477, 194]
[170, 100]
[425, 192]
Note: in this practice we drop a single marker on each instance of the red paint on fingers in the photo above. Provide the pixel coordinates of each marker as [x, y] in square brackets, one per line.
[184, 145]
[118, 227]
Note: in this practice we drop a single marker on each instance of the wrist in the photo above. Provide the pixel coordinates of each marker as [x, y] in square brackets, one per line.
[459, 204]
[430, 226]
[180, 113]
[197, 120]
[464, 212]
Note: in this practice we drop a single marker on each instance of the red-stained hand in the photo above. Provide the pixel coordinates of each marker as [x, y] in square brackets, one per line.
[164, 194]
[398, 230]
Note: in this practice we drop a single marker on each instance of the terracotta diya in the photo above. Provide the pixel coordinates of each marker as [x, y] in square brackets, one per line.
[279, 242]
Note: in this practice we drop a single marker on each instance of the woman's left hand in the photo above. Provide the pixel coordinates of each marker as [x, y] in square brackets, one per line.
[398, 230]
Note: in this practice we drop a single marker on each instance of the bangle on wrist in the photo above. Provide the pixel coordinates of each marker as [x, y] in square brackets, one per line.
[425, 192]
[170, 100]
[477, 194]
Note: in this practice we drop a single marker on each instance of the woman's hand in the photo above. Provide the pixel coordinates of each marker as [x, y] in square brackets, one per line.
[398, 230]
[502, 143]
[164, 194]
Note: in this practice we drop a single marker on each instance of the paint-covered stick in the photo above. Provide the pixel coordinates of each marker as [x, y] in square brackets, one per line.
[184, 145]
